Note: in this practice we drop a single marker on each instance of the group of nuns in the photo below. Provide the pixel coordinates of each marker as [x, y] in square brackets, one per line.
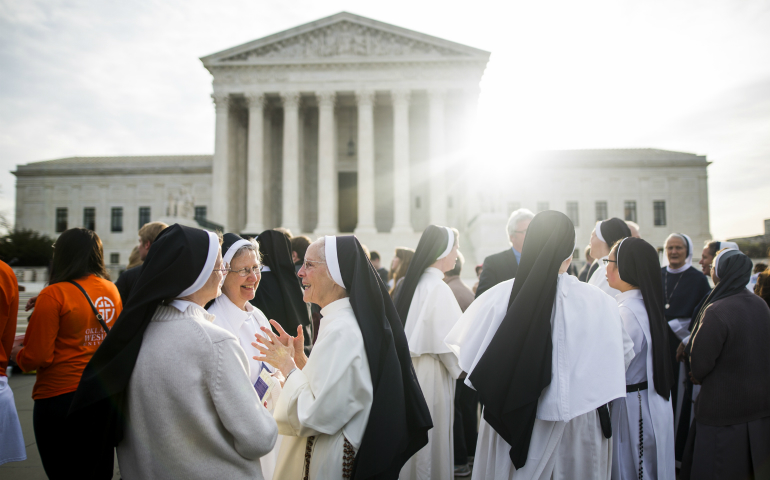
[573, 383]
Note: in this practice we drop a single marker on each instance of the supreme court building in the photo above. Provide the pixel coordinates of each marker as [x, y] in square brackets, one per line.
[347, 124]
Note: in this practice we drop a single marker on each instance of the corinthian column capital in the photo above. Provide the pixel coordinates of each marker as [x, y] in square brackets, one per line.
[221, 100]
[290, 99]
[255, 99]
[400, 96]
[365, 97]
[326, 98]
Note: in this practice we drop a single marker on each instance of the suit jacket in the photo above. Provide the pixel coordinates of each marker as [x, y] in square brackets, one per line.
[126, 282]
[497, 268]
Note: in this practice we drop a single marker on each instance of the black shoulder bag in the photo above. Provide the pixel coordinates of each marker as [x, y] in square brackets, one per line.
[93, 307]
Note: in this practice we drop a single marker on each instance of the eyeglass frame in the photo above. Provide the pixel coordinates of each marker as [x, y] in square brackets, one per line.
[256, 270]
[310, 263]
[607, 261]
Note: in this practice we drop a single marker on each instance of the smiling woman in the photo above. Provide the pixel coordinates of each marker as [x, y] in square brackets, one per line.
[234, 313]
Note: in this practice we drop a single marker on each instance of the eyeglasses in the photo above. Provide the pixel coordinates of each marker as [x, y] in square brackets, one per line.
[223, 269]
[309, 264]
[607, 261]
[521, 231]
[244, 272]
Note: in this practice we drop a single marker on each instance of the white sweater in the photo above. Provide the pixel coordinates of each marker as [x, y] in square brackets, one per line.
[192, 412]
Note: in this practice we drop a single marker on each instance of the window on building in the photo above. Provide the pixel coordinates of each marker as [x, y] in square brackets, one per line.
[629, 210]
[61, 220]
[114, 258]
[144, 216]
[116, 222]
[601, 211]
[659, 209]
[542, 206]
[572, 213]
[200, 213]
[89, 218]
[416, 202]
[449, 202]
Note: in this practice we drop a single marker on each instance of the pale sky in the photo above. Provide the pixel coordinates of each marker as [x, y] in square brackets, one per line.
[91, 77]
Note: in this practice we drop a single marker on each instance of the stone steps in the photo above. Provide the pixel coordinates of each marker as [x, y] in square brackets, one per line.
[23, 317]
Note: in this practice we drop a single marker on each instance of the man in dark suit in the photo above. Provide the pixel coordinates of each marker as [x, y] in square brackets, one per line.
[502, 266]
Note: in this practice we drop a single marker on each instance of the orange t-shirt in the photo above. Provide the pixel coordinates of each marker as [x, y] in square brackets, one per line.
[9, 309]
[63, 333]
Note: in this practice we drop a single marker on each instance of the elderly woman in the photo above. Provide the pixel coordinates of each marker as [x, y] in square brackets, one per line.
[603, 237]
[167, 386]
[729, 358]
[355, 410]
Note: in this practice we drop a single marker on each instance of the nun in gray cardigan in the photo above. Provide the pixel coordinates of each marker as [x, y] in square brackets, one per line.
[188, 407]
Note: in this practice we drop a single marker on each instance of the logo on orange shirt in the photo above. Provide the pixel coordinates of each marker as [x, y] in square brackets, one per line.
[106, 307]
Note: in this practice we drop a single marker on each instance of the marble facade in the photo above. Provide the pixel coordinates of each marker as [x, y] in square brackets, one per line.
[347, 124]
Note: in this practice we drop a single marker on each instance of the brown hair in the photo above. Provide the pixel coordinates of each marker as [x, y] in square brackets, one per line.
[405, 256]
[299, 244]
[133, 259]
[762, 288]
[77, 252]
[150, 231]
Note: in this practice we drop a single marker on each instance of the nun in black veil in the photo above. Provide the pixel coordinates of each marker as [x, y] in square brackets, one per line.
[168, 387]
[545, 351]
[429, 310]
[279, 295]
[643, 421]
[355, 410]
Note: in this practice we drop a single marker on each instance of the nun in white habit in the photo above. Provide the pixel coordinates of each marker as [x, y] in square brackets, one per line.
[603, 237]
[233, 312]
[546, 354]
[430, 310]
[355, 409]
[643, 421]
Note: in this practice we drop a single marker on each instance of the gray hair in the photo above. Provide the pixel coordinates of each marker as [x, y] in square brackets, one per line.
[516, 217]
[322, 254]
[252, 247]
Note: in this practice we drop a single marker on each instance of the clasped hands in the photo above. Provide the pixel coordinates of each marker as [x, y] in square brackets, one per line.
[283, 351]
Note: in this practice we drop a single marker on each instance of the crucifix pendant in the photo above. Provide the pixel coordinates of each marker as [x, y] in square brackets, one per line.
[667, 305]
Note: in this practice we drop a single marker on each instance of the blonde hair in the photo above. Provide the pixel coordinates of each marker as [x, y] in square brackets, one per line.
[150, 231]
[133, 259]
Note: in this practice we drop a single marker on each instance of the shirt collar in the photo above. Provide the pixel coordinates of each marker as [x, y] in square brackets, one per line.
[434, 271]
[335, 307]
[517, 254]
[234, 315]
[183, 305]
[634, 293]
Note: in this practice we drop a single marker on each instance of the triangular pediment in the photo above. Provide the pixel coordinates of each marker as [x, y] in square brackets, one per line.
[343, 36]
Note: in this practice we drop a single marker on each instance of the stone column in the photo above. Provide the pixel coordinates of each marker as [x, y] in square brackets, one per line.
[220, 168]
[255, 157]
[290, 213]
[327, 168]
[436, 121]
[402, 187]
[365, 223]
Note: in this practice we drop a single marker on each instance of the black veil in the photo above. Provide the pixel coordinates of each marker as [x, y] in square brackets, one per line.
[516, 366]
[399, 419]
[638, 265]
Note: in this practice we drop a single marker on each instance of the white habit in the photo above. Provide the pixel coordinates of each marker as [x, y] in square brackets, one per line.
[244, 324]
[599, 279]
[658, 417]
[588, 371]
[432, 314]
[329, 399]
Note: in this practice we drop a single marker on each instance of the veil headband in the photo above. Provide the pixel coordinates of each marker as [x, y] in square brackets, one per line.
[332, 262]
[599, 231]
[450, 243]
[230, 253]
[208, 267]
[721, 254]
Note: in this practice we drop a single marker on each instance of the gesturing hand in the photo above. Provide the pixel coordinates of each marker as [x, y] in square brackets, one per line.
[299, 343]
[274, 352]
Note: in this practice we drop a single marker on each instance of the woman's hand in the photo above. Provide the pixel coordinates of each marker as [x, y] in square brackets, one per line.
[680, 352]
[274, 352]
[299, 342]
